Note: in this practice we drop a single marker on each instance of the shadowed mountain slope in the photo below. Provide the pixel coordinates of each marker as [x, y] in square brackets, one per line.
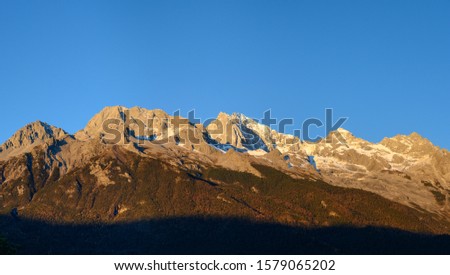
[222, 236]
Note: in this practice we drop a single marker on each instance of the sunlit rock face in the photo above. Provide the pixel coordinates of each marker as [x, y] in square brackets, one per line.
[107, 153]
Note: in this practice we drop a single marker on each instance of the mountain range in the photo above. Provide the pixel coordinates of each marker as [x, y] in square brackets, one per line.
[132, 165]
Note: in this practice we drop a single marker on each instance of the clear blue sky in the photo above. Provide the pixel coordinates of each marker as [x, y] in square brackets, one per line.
[383, 64]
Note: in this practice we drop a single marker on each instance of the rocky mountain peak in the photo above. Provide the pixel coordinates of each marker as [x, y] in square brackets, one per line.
[240, 132]
[339, 137]
[410, 144]
[121, 119]
[33, 134]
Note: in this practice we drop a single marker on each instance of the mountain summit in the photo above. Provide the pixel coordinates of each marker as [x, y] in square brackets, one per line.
[131, 164]
[30, 136]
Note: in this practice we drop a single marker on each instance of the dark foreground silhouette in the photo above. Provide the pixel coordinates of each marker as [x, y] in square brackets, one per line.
[193, 235]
